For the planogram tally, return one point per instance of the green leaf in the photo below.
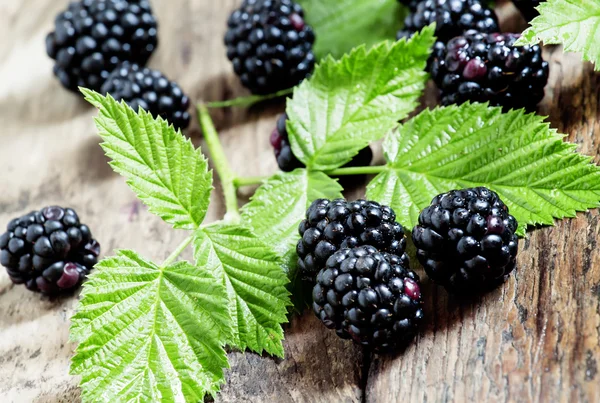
(536, 174)
(350, 102)
(160, 165)
(150, 333)
(255, 283)
(341, 25)
(573, 23)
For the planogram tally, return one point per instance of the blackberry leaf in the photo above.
(160, 165)
(573, 23)
(340, 25)
(517, 155)
(256, 285)
(150, 333)
(350, 102)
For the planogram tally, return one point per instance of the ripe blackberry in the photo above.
(527, 8)
(411, 4)
(150, 90)
(333, 225)
(270, 45)
(369, 296)
(466, 240)
(481, 67)
(92, 37)
(49, 250)
(452, 18)
(287, 161)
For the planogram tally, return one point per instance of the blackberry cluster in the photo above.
(92, 37)
(287, 161)
(270, 45)
(369, 296)
(333, 225)
(452, 18)
(141, 87)
(527, 8)
(481, 67)
(466, 240)
(49, 250)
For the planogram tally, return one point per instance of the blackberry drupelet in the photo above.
(150, 90)
(270, 45)
(92, 37)
(527, 8)
(332, 225)
(481, 67)
(452, 18)
(466, 240)
(369, 296)
(287, 161)
(49, 250)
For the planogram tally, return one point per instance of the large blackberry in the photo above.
(92, 37)
(150, 90)
(527, 8)
(270, 45)
(48, 250)
(452, 18)
(369, 296)
(466, 240)
(287, 161)
(332, 225)
(489, 68)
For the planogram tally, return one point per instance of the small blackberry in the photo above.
(527, 8)
(92, 37)
(150, 90)
(332, 225)
(369, 296)
(452, 18)
(466, 240)
(270, 45)
(480, 67)
(48, 250)
(287, 161)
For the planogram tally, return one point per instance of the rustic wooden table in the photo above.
(536, 339)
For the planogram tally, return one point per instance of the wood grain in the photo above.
(535, 339)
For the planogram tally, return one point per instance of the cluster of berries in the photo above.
(104, 45)
(472, 61)
(353, 253)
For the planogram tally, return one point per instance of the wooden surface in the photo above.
(536, 339)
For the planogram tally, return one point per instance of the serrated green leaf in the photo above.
(341, 25)
(255, 283)
(350, 102)
(150, 333)
(536, 174)
(160, 165)
(573, 23)
(277, 208)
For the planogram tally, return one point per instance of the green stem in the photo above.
(177, 251)
(221, 164)
(357, 170)
(250, 100)
(249, 180)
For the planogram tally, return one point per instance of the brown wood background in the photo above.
(535, 339)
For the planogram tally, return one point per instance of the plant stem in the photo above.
(221, 164)
(248, 101)
(177, 251)
(249, 180)
(357, 170)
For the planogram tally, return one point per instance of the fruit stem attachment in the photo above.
(177, 251)
(249, 180)
(221, 165)
(357, 170)
(248, 101)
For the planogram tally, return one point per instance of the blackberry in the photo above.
(92, 37)
(332, 225)
(482, 67)
(270, 45)
(287, 161)
(368, 296)
(452, 18)
(466, 240)
(528, 8)
(49, 250)
(141, 87)
(411, 4)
